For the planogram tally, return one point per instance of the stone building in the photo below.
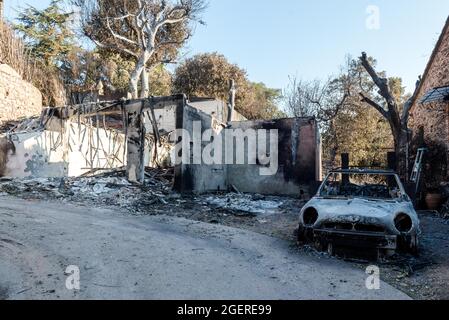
(429, 117)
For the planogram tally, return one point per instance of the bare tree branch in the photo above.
(381, 83)
(140, 28)
(315, 99)
(101, 45)
(408, 105)
(377, 106)
(167, 43)
(117, 36)
(398, 124)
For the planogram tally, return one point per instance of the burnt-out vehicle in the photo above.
(361, 209)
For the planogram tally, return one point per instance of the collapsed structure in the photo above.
(83, 139)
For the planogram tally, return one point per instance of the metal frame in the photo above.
(366, 171)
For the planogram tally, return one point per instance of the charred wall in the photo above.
(191, 176)
(299, 157)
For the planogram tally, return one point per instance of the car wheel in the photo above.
(302, 237)
(330, 249)
(409, 244)
(320, 246)
(414, 246)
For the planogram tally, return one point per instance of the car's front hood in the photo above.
(358, 206)
(361, 210)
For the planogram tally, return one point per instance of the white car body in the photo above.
(358, 221)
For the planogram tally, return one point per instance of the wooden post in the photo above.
(391, 159)
(392, 165)
(231, 104)
(345, 166)
(1, 10)
(135, 167)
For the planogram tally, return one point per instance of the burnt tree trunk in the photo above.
(398, 122)
(401, 143)
(135, 140)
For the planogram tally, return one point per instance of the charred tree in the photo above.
(397, 120)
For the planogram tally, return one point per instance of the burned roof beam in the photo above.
(115, 107)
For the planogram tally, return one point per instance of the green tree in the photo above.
(359, 131)
(83, 69)
(262, 102)
(208, 75)
(160, 81)
(46, 32)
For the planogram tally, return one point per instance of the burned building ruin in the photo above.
(82, 139)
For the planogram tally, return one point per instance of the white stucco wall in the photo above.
(37, 155)
(55, 154)
(89, 148)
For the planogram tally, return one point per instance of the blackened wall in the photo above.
(299, 159)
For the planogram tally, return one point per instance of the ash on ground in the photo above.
(269, 215)
(424, 277)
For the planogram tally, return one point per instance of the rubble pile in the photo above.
(269, 215)
(444, 211)
(109, 188)
(246, 203)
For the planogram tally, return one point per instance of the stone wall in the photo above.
(216, 108)
(18, 98)
(432, 119)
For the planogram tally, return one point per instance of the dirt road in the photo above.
(122, 256)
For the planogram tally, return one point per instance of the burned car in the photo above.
(361, 209)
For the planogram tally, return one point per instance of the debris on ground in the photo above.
(108, 188)
(422, 278)
(269, 215)
(444, 211)
(246, 203)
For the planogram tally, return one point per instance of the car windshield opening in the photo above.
(361, 185)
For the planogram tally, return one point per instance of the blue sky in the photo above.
(272, 40)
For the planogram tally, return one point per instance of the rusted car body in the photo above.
(361, 209)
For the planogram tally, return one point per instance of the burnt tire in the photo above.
(409, 244)
(414, 248)
(302, 236)
(305, 236)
